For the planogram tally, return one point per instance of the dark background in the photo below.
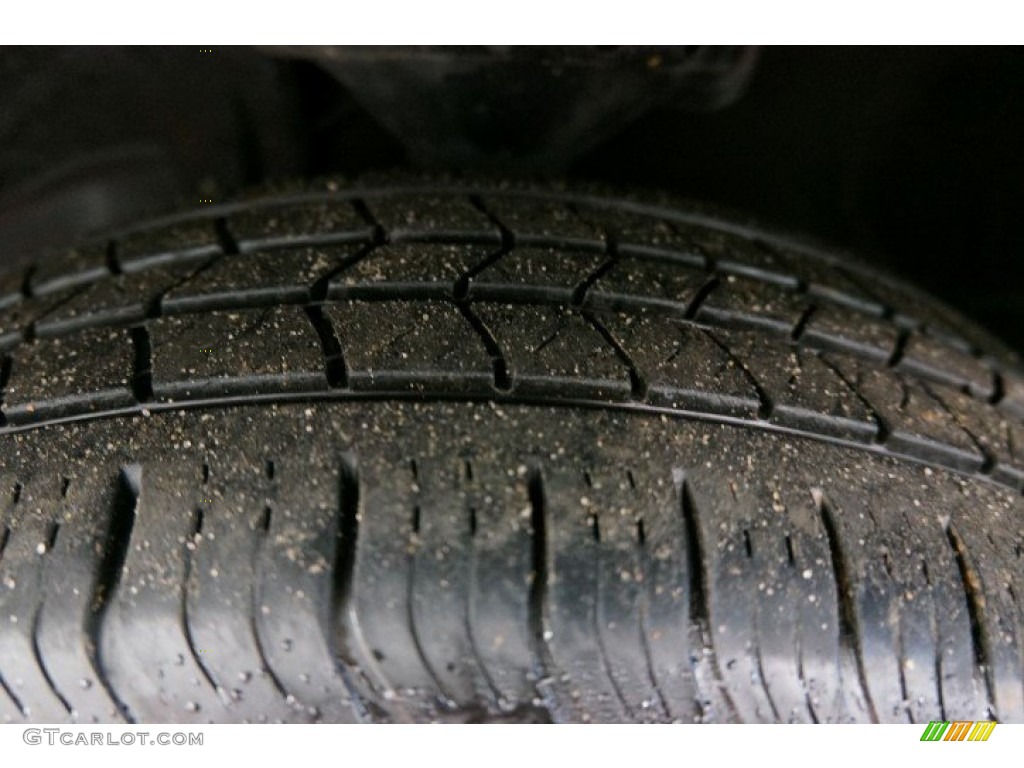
(913, 157)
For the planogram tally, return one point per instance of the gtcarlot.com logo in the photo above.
(959, 730)
(69, 738)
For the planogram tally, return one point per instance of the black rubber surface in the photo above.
(490, 454)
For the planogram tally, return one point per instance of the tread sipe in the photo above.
(421, 453)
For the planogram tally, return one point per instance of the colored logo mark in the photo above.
(958, 730)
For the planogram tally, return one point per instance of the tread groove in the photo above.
(801, 323)
(11, 695)
(469, 617)
(970, 582)
(112, 258)
(262, 531)
(6, 363)
(637, 384)
(643, 622)
(195, 535)
(502, 380)
(988, 458)
(37, 656)
(598, 626)
(697, 581)
(538, 594)
(899, 348)
(761, 678)
(846, 608)
(341, 625)
(883, 431)
(320, 287)
(335, 368)
(766, 405)
(410, 613)
(225, 237)
(142, 364)
(117, 542)
(705, 291)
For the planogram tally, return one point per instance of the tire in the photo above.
(417, 454)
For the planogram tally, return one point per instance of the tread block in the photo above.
(90, 370)
(81, 504)
(17, 316)
(418, 216)
(931, 359)
(549, 351)
(639, 233)
(442, 582)
(78, 267)
(501, 562)
(843, 330)
(184, 242)
(119, 300)
(668, 287)
(388, 649)
(804, 391)
(672, 641)
(11, 284)
(986, 543)
(741, 301)
(146, 645)
(416, 346)
(918, 424)
(910, 650)
(23, 570)
(682, 367)
(223, 597)
(535, 274)
(258, 277)
(731, 623)
(427, 268)
(289, 224)
(529, 219)
(274, 349)
(1001, 436)
(577, 637)
(296, 586)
